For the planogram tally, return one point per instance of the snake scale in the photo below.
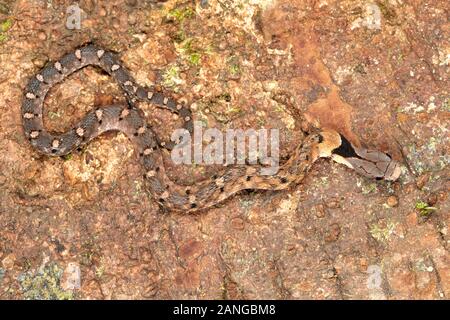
(130, 120)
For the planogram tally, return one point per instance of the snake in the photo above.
(129, 119)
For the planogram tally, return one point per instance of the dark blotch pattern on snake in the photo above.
(130, 120)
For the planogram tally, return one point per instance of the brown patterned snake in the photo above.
(130, 120)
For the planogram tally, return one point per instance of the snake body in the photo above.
(130, 120)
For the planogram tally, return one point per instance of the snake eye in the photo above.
(379, 178)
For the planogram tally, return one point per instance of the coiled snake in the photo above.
(130, 120)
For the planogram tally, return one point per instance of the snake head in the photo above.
(369, 163)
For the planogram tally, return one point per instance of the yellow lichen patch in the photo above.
(44, 284)
(4, 27)
(382, 233)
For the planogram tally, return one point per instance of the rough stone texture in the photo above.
(376, 71)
